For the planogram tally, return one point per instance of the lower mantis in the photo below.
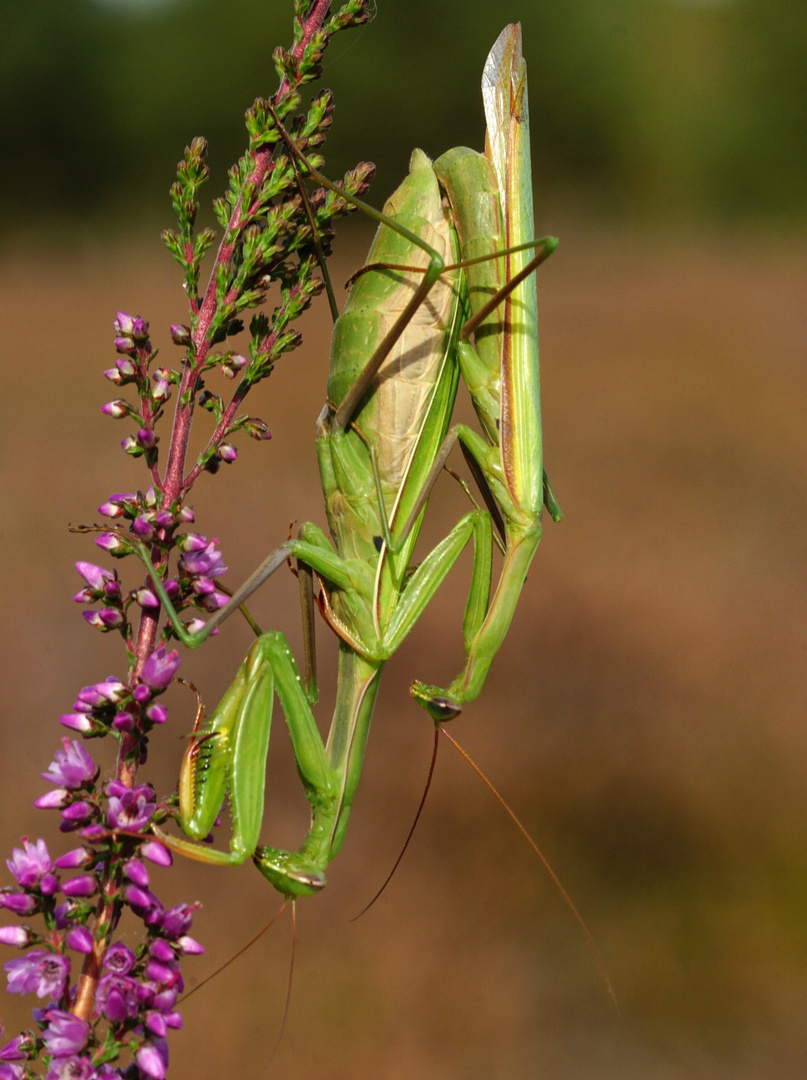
(382, 439)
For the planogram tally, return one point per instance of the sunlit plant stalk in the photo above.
(117, 1013)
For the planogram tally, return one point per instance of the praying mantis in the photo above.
(453, 256)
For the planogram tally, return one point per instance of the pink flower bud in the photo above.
(126, 369)
(190, 946)
(80, 939)
(117, 409)
(143, 528)
(53, 800)
(124, 323)
(180, 335)
(112, 543)
(74, 860)
(77, 722)
(17, 936)
(146, 598)
(82, 885)
(157, 853)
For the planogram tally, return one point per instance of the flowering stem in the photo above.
(123, 1001)
(172, 488)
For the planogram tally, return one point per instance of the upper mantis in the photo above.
(382, 440)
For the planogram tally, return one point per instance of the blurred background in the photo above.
(646, 715)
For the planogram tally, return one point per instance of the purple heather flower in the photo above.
(207, 561)
(116, 998)
(49, 885)
(19, 903)
(152, 1059)
(161, 950)
(11, 1072)
(124, 345)
(140, 329)
(19, 1049)
(72, 767)
(187, 515)
(228, 453)
(81, 885)
(213, 601)
(110, 691)
(40, 972)
(155, 1023)
(79, 939)
(73, 1067)
(66, 912)
(18, 936)
(160, 668)
(65, 1034)
(119, 959)
(152, 916)
(137, 897)
(157, 853)
(177, 920)
(30, 863)
(151, 996)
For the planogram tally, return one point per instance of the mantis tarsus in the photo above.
(382, 440)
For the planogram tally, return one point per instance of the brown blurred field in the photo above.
(646, 718)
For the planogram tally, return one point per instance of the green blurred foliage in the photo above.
(640, 108)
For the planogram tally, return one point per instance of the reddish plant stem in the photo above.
(262, 163)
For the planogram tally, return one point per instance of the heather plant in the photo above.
(105, 1007)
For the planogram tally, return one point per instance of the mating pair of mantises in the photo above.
(453, 257)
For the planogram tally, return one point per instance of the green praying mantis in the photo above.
(453, 257)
